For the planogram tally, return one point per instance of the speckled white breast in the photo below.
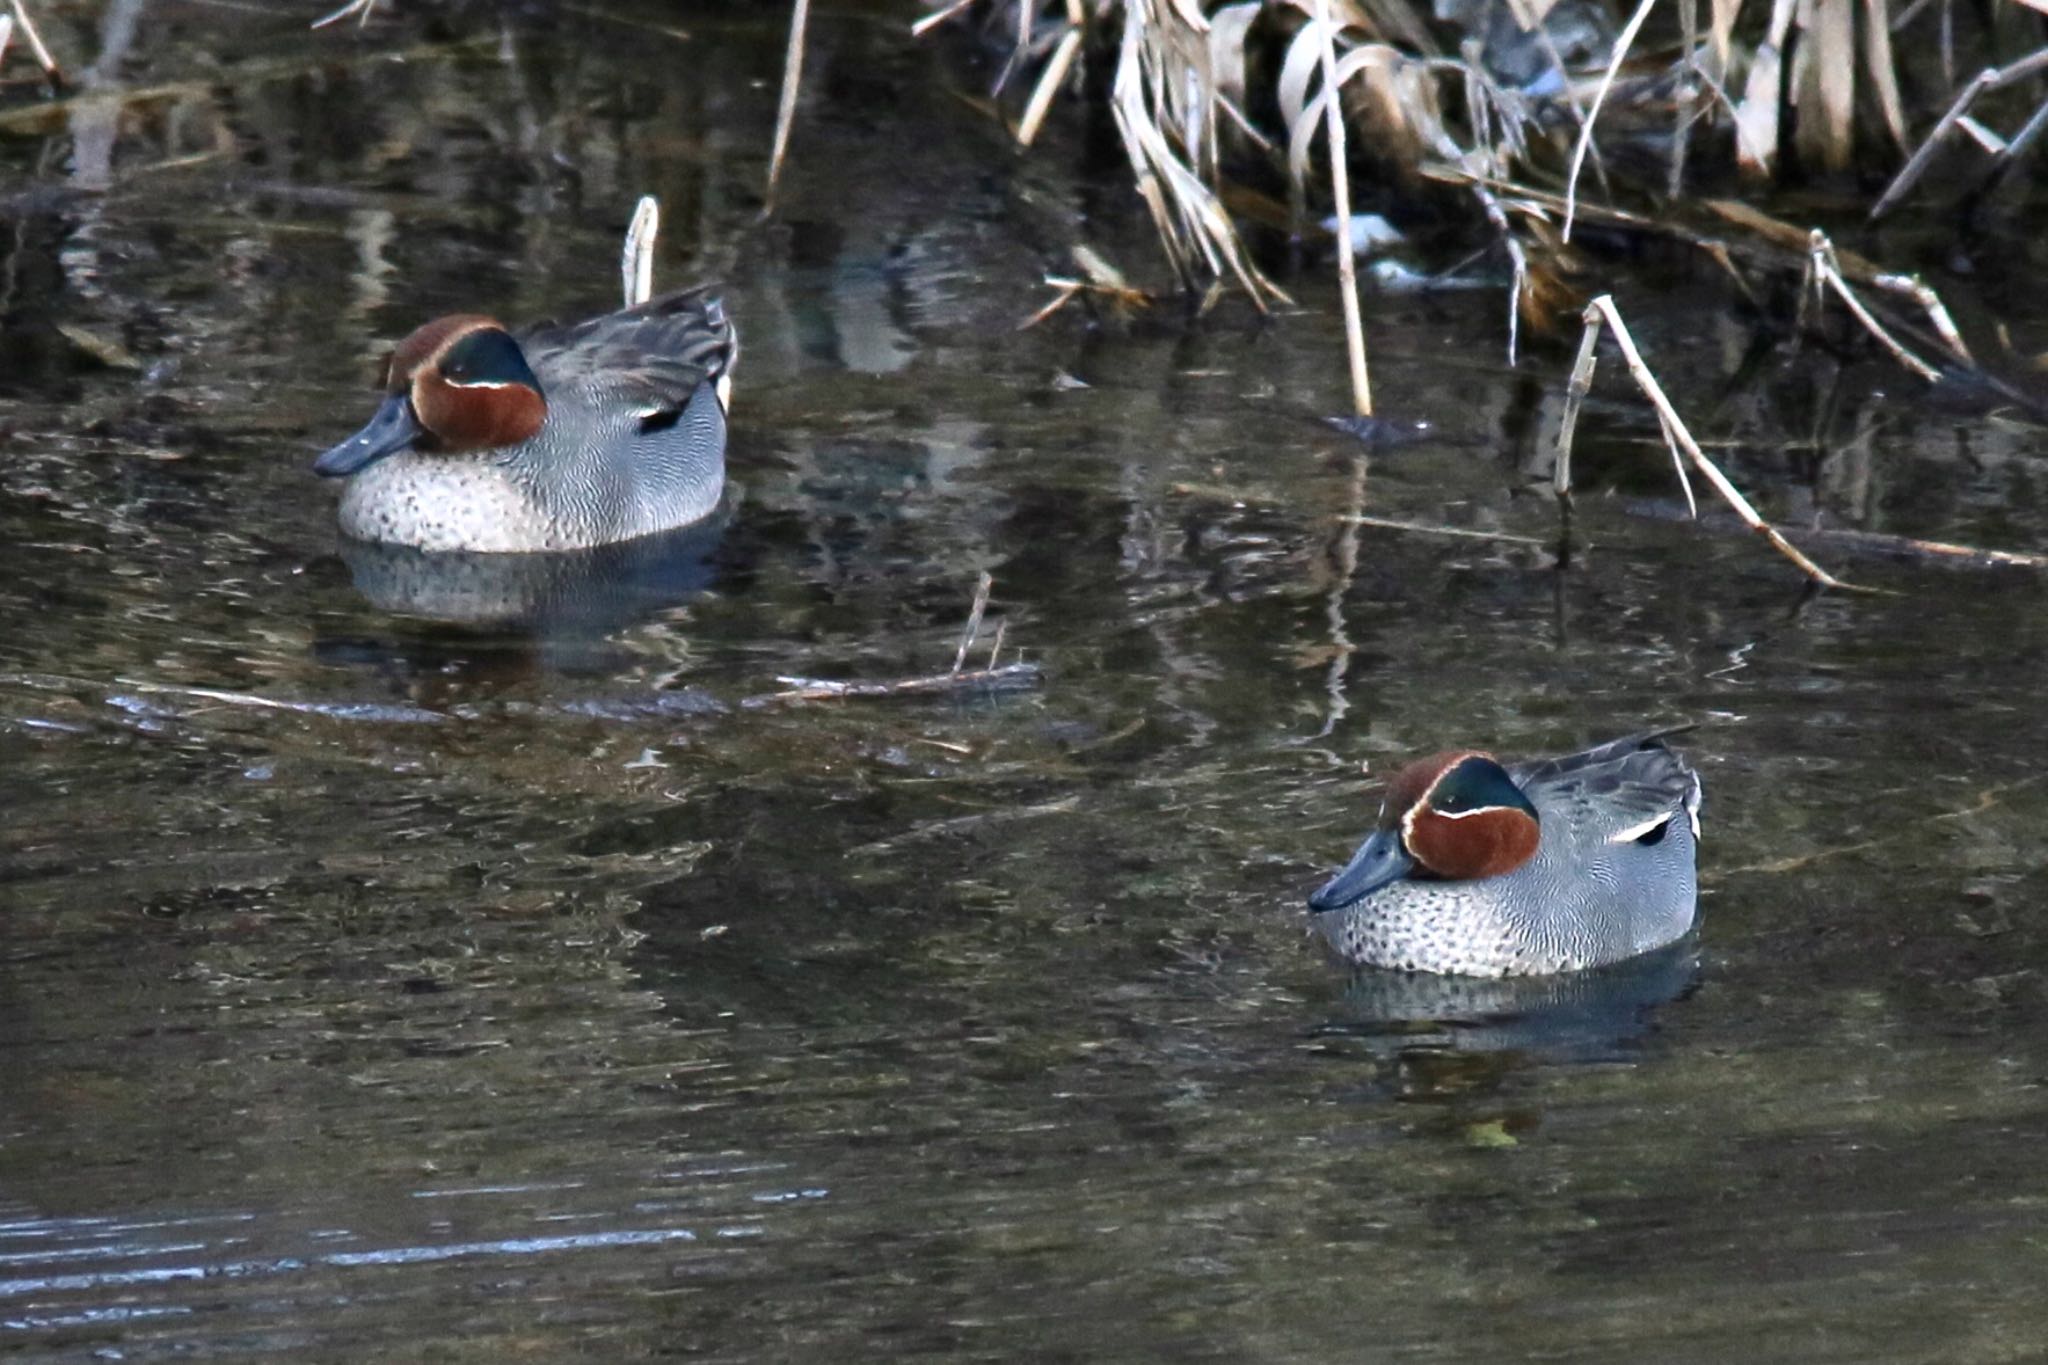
(1575, 905)
(445, 503)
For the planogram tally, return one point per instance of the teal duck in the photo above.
(556, 438)
(1479, 868)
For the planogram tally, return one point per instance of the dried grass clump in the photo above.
(1199, 98)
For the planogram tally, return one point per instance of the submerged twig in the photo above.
(1016, 677)
(1873, 544)
(785, 111)
(374, 711)
(1987, 799)
(959, 824)
(1424, 528)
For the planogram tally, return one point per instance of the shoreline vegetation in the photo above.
(1543, 118)
(1548, 139)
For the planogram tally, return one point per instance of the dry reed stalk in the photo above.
(1721, 34)
(636, 261)
(35, 43)
(1757, 113)
(1340, 190)
(360, 8)
(1601, 313)
(1824, 82)
(972, 629)
(1158, 87)
(1048, 85)
(1685, 108)
(1957, 117)
(1884, 71)
(937, 17)
(1102, 279)
(785, 110)
(1585, 139)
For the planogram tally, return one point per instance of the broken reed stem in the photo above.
(636, 262)
(1931, 304)
(1827, 271)
(1340, 190)
(1576, 389)
(785, 112)
(1601, 311)
(973, 627)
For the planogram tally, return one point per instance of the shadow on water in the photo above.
(407, 960)
(569, 605)
(1590, 1016)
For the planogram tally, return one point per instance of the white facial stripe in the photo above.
(482, 383)
(1408, 816)
(1467, 814)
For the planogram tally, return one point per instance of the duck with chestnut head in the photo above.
(557, 438)
(1480, 868)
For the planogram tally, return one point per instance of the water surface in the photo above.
(382, 986)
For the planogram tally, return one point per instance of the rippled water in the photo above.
(374, 986)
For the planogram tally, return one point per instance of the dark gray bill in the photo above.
(1379, 861)
(392, 429)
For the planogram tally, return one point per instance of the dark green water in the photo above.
(466, 1005)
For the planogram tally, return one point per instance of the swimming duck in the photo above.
(1483, 869)
(558, 438)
